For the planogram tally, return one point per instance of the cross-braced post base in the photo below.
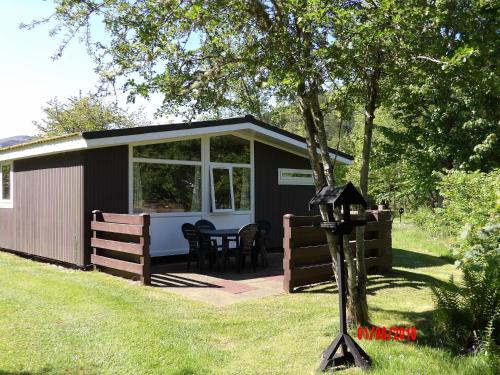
(351, 354)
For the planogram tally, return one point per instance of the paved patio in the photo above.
(221, 288)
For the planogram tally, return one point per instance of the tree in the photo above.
(446, 103)
(79, 114)
(210, 56)
(373, 39)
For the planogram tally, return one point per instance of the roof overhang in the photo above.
(90, 140)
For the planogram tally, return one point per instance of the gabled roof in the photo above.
(337, 196)
(94, 139)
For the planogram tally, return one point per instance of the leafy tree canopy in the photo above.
(80, 114)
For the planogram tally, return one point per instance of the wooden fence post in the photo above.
(145, 258)
(287, 248)
(96, 216)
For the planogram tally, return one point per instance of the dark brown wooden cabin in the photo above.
(230, 171)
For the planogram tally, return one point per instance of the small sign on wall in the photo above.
(287, 176)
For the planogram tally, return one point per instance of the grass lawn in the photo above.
(55, 320)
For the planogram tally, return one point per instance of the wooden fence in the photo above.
(307, 259)
(120, 244)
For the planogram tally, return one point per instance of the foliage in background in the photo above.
(447, 103)
(468, 198)
(88, 113)
(469, 201)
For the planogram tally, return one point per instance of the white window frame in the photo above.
(283, 180)
(206, 201)
(163, 161)
(7, 203)
(212, 190)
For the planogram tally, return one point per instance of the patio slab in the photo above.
(218, 288)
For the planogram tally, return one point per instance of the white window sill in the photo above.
(170, 214)
(219, 213)
(6, 204)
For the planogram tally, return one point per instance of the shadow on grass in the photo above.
(391, 279)
(410, 259)
(43, 371)
(422, 321)
(396, 278)
(401, 279)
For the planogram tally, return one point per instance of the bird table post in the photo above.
(342, 196)
(401, 211)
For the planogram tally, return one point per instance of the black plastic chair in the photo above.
(197, 246)
(246, 238)
(264, 228)
(205, 224)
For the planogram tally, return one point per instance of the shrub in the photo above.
(469, 202)
(467, 316)
(482, 246)
(469, 199)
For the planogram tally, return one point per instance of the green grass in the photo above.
(55, 320)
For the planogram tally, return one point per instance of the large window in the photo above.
(180, 150)
(6, 181)
(167, 177)
(229, 149)
(230, 174)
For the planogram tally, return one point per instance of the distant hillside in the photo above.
(11, 141)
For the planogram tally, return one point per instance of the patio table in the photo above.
(225, 234)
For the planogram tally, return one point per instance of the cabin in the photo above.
(232, 172)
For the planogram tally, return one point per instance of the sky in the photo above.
(29, 77)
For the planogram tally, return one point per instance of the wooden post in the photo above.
(96, 216)
(145, 258)
(287, 249)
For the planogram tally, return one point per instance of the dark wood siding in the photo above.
(47, 217)
(272, 201)
(106, 184)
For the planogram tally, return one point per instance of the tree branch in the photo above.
(427, 58)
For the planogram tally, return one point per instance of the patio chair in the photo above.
(205, 224)
(246, 239)
(197, 246)
(264, 228)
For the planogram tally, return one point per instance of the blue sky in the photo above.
(29, 77)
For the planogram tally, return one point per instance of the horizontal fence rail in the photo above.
(120, 244)
(307, 259)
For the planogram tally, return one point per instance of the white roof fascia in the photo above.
(78, 142)
(51, 147)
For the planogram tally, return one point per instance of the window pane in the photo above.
(241, 189)
(181, 150)
(229, 149)
(6, 182)
(222, 189)
(167, 188)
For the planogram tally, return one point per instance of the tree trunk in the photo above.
(319, 174)
(354, 303)
(370, 107)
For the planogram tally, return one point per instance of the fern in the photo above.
(468, 315)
